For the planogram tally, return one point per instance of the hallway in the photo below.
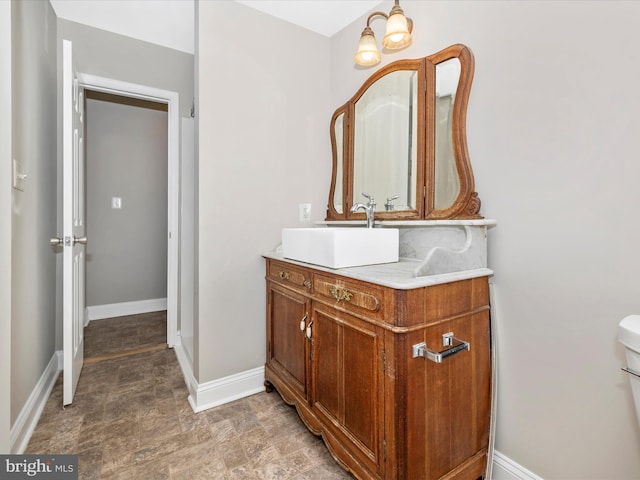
(131, 420)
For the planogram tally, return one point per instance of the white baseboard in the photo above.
(186, 366)
(227, 389)
(221, 391)
(98, 312)
(27, 420)
(506, 469)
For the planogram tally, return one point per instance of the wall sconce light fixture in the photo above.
(398, 36)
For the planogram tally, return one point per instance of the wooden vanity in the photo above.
(342, 350)
(391, 363)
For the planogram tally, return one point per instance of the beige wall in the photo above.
(552, 130)
(106, 54)
(263, 123)
(34, 143)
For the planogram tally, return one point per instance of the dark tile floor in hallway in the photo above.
(131, 420)
(105, 339)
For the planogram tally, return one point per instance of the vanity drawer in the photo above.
(290, 275)
(353, 296)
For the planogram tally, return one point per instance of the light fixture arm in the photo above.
(376, 14)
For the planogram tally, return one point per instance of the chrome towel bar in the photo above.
(421, 350)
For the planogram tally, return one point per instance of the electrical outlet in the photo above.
(116, 202)
(305, 212)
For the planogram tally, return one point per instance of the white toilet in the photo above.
(629, 336)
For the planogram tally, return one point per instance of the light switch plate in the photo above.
(18, 175)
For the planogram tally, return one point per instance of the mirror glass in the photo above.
(446, 181)
(384, 145)
(338, 131)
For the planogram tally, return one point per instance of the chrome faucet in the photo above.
(389, 206)
(369, 209)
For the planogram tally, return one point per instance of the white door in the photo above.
(73, 239)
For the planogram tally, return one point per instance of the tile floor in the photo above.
(131, 420)
(104, 338)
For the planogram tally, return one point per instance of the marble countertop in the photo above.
(410, 223)
(398, 275)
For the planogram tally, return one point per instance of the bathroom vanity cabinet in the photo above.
(349, 354)
(391, 363)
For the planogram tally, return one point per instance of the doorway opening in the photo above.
(126, 219)
(129, 94)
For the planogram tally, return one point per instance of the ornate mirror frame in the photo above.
(467, 203)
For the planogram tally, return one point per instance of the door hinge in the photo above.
(384, 450)
(384, 361)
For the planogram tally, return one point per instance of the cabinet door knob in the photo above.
(302, 322)
(308, 332)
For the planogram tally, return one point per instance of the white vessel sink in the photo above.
(339, 247)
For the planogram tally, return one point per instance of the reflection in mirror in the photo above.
(338, 129)
(384, 151)
(446, 182)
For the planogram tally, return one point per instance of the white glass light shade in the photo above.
(398, 35)
(368, 53)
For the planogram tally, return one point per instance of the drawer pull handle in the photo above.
(341, 294)
(284, 275)
(421, 350)
(302, 322)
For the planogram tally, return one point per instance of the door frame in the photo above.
(5, 226)
(172, 100)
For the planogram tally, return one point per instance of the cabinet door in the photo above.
(286, 342)
(348, 388)
(448, 406)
